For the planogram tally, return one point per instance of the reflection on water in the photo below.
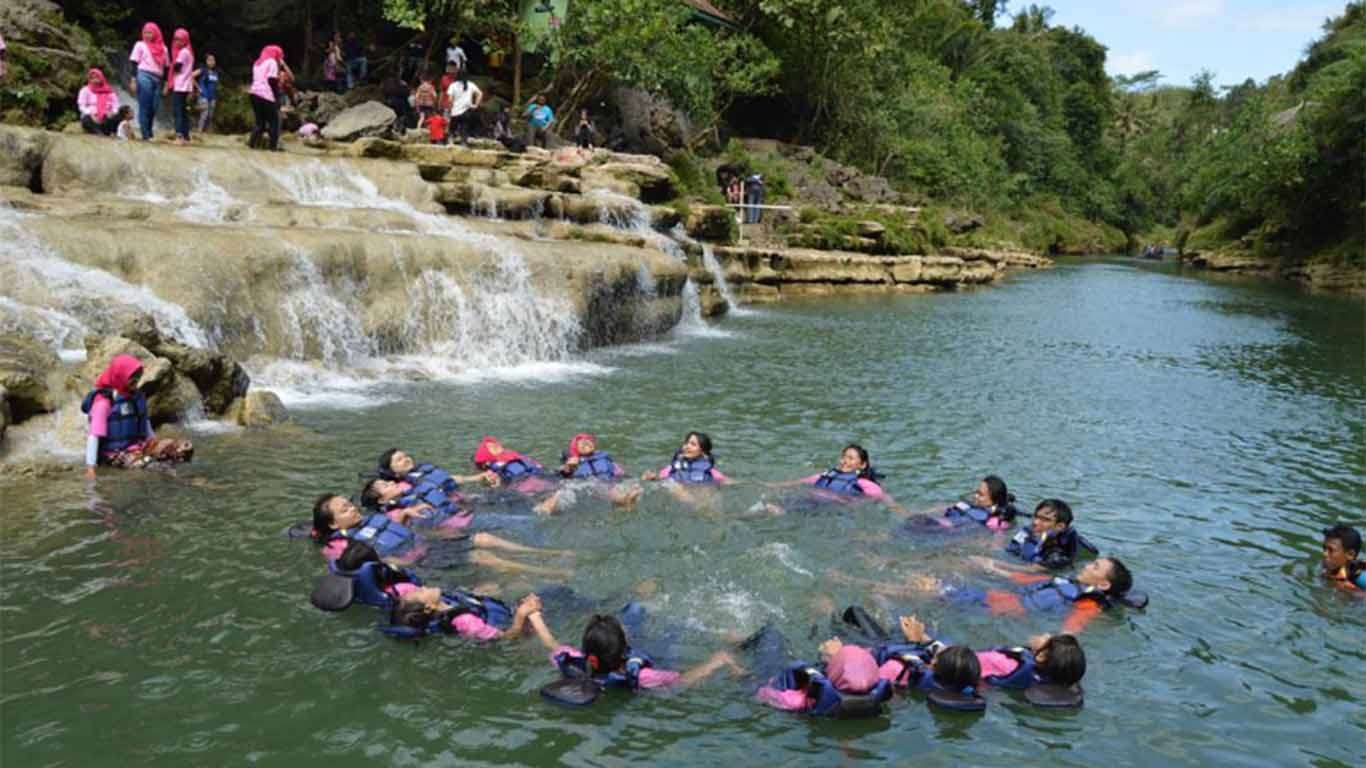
(1204, 432)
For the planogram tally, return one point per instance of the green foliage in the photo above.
(692, 179)
(830, 231)
(776, 184)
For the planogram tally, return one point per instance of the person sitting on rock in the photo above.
(120, 432)
(98, 104)
(539, 119)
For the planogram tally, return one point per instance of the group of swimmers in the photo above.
(411, 511)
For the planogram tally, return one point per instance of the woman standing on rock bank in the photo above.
(265, 90)
(152, 60)
(120, 432)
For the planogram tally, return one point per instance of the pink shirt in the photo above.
(469, 626)
(788, 701)
(261, 75)
(992, 662)
(87, 101)
(181, 80)
(870, 489)
(99, 412)
(649, 677)
(142, 56)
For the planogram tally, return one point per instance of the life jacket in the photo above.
(571, 665)
(963, 513)
(422, 493)
(373, 583)
(1061, 591)
(1025, 674)
(1356, 574)
(516, 469)
(691, 471)
(835, 481)
(384, 535)
(1053, 551)
(914, 658)
(598, 464)
(490, 610)
(828, 701)
(127, 418)
(432, 475)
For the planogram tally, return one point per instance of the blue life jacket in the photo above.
(629, 678)
(431, 474)
(442, 510)
(387, 537)
(516, 469)
(835, 481)
(691, 471)
(1060, 591)
(599, 464)
(963, 513)
(1024, 675)
(422, 493)
(127, 418)
(829, 701)
(1053, 551)
(371, 582)
(491, 610)
(1356, 574)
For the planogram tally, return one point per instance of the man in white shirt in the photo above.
(464, 98)
(456, 55)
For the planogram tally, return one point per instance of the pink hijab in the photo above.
(104, 95)
(483, 456)
(853, 670)
(115, 376)
(158, 44)
(574, 443)
(271, 52)
(181, 39)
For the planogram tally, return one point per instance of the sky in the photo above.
(1235, 39)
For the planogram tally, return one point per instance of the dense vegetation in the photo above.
(956, 102)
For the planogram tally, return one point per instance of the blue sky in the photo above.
(1236, 39)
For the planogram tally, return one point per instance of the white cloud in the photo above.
(1304, 20)
(1187, 13)
(1129, 63)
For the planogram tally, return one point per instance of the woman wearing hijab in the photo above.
(181, 83)
(98, 104)
(152, 63)
(265, 95)
(120, 432)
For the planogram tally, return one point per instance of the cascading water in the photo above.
(719, 278)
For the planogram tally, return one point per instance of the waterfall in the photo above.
(320, 324)
(719, 280)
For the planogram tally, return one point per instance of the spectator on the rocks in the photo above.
(584, 131)
(126, 129)
(436, 128)
(395, 94)
(539, 119)
(446, 79)
(332, 64)
(181, 83)
(265, 95)
(309, 134)
(465, 98)
(150, 55)
(98, 105)
(414, 59)
(455, 54)
(754, 197)
(206, 80)
(357, 66)
(735, 191)
(502, 131)
(425, 99)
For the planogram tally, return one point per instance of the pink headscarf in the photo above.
(115, 376)
(483, 456)
(180, 39)
(158, 44)
(104, 95)
(853, 670)
(271, 52)
(574, 442)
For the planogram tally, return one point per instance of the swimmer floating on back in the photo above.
(584, 461)
(509, 469)
(852, 479)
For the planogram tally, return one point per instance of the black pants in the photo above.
(466, 125)
(105, 127)
(267, 120)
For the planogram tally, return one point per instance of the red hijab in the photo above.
(483, 456)
(158, 44)
(181, 39)
(574, 443)
(271, 52)
(104, 95)
(115, 376)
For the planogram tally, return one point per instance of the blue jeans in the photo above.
(149, 101)
(180, 107)
(359, 64)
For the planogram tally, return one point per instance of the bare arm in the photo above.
(709, 667)
(543, 633)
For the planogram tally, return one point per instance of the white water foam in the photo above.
(719, 280)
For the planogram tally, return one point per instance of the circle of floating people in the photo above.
(409, 511)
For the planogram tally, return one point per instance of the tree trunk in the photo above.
(308, 40)
(516, 74)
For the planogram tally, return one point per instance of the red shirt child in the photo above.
(436, 129)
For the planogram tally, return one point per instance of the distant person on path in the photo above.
(436, 128)
(357, 66)
(265, 90)
(126, 129)
(502, 131)
(445, 85)
(181, 83)
(754, 196)
(206, 79)
(414, 59)
(425, 99)
(584, 132)
(465, 98)
(332, 65)
(149, 54)
(456, 55)
(539, 119)
(395, 94)
(98, 105)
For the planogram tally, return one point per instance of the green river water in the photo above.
(1203, 431)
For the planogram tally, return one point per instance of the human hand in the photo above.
(572, 461)
(913, 629)
(491, 478)
(831, 647)
(1038, 641)
(923, 583)
(649, 475)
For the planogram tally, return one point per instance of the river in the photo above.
(1203, 431)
